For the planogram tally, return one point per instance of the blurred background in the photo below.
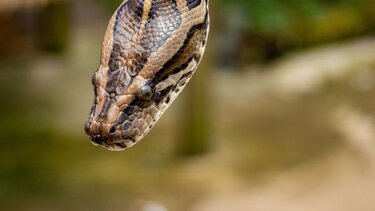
(280, 115)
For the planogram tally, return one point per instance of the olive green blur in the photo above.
(279, 116)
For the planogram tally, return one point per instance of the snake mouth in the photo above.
(111, 143)
(108, 136)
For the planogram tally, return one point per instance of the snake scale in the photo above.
(150, 51)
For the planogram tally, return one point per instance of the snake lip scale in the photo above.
(150, 51)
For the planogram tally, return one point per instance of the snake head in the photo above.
(150, 51)
(121, 115)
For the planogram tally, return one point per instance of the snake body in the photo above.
(150, 51)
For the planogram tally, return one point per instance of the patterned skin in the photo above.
(150, 51)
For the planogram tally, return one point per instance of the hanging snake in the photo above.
(150, 51)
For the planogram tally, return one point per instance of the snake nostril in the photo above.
(112, 130)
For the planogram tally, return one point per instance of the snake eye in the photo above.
(146, 93)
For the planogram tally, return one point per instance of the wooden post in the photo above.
(55, 27)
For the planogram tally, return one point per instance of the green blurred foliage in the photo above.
(272, 27)
(275, 16)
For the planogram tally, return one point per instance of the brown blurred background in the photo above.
(279, 117)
